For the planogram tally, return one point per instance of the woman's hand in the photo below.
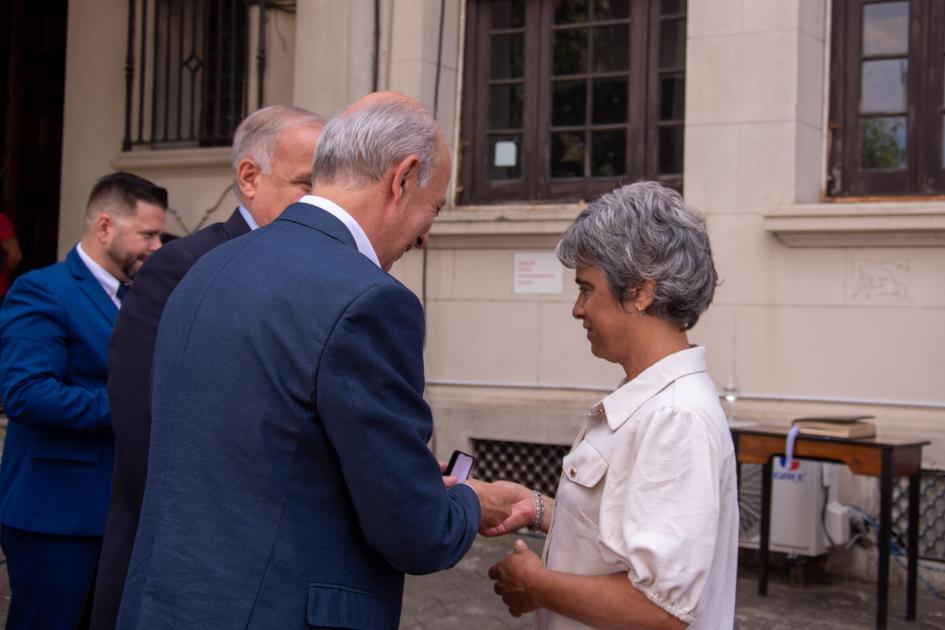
(512, 576)
(523, 510)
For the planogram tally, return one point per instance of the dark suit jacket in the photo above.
(59, 450)
(290, 483)
(129, 391)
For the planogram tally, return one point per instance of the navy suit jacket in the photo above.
(129, 393)
(290, 484)
(57, 459)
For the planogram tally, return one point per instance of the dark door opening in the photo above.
(32, 91)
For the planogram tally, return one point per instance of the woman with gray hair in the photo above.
(643, 532)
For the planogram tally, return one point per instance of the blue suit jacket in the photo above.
(57, 459)
(129, 393)
(290, 484)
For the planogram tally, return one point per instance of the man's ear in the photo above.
(104, 227)
(247, 175)
(404, 171)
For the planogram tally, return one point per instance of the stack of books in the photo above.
(837, 426)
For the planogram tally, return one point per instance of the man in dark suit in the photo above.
(290, 482)
(57, 459)
(273, 150)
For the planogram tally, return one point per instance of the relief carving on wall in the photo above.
(204, 218)
(871, 279)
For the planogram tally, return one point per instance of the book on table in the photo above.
(837, 426)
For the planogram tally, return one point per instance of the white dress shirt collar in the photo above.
(250, 221)
(360, 238)
(109, 282)
(622, 403)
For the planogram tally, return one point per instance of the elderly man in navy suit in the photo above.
(59, 450)
(290, 484)
(273, 149)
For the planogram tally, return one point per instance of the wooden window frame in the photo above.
(536, 183)
(924, 174)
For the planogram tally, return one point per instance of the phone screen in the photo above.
(460, 465)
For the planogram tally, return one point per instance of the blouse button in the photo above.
(572, 471)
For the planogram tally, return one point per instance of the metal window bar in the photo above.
(931, 514)
(193, 90)
(537, 466)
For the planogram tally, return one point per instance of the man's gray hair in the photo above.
(645, 231)
(359, 146)
(257, 136)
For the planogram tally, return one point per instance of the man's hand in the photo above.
(495, 502)
(512, 577)
(522, 510)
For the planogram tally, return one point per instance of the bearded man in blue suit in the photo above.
(59, 450)
(290, 484)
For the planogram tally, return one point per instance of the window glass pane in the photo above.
(886, 28)
(505, 105)
(883, 86)
(673, 44)
(883, 143)
(507, 13)
(505, 160)
(568, 103)
(570, 51)
(671, 150)
(672, 98)
(610, 101)
(567, 154)
(611, 48)
(608, 153)
(570, 11)
(673, 7)
(611, 9)
(507, 60)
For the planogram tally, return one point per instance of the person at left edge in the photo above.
(57, 458)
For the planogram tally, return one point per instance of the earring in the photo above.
(641, 311)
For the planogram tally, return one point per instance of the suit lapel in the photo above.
(90, 286)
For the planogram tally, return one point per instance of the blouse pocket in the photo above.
(584, 465)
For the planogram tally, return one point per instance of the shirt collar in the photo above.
(250, 221)
(360, 238)
(629, 397)
(108, 281)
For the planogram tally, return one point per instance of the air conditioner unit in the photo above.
(803, 499)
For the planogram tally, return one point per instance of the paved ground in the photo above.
(462, 598)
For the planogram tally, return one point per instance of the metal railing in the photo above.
(187, 70)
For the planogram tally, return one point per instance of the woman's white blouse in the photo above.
(650, 489)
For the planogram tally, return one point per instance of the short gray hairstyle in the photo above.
(644, 231)
(257, 136)
(360, 145)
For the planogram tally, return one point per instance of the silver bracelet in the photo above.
(539, 512)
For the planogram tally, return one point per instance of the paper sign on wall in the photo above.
(506, 153)
(537, 272)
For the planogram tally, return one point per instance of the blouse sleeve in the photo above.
(660, 509)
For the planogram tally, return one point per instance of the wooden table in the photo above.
(885, 457)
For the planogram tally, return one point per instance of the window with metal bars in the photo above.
(186, 72)
(567, 98)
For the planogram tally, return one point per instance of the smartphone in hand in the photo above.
(460, 466)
